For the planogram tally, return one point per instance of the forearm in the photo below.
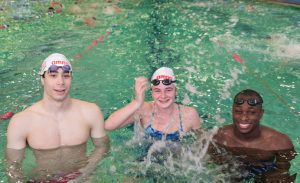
(283, 158)
(281, 172)
(101, 149)
(102, 146)
(123, 116)
(14, 160)
(216, 155)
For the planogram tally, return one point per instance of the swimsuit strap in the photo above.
(180, 118)
(152, 115)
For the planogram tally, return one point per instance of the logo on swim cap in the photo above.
(54, 59)
(163, 73)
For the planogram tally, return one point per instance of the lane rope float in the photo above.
(238, 59)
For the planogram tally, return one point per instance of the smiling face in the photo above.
(57, 84)
(164, 95)
(246, 117)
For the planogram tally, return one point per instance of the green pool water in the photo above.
(196, 38)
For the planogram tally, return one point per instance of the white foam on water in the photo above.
(191, 89)
(282, 46)
(200, 4)
(186, 161)
(192, 70)
(224, 92)
(233, 20)
(186, 99)
(139, 134)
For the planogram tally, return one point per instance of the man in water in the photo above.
(56, 128)
(261, 152)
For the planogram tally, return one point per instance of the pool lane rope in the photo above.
(6, 115)
(56, 6)
(9, 114)
(95, 42)
(238, 59)
(4, 26)
(100, 39)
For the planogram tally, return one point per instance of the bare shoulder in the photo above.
(91, 112)
(17, 130)
(86, 107)
(147, 106)
(19, 119)
(24, 118)
(20, 125)
(190, 117)
(188, 109)
(224, 135)
(146, 109)
(189, 112)
(276, 139)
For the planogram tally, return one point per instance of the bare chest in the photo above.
(50, 133)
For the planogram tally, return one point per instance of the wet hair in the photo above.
(250, 93)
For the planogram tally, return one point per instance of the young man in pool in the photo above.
(263, 153)
(56, 128)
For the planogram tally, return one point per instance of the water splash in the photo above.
(282, 46)
(224, 92)
(185, 161)
(190, 88)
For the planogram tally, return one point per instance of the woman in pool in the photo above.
(162, 118)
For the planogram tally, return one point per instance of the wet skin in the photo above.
(251, 143)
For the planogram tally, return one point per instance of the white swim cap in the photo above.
(163, 73)
(54, 59)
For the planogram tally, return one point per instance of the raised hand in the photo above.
(141, 85)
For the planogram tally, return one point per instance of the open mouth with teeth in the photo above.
(60, 91)
(244, 125)
(163, 101)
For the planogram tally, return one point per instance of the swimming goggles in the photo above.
(156, 82)
(251, 101)
(65, 68)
